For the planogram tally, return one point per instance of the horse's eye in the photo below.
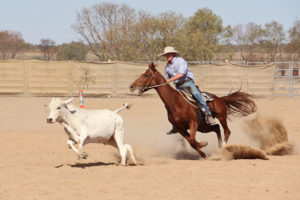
(146, 75)
(58, 108)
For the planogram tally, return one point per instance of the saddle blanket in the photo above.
(189, 96)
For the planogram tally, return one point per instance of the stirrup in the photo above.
(210, 120)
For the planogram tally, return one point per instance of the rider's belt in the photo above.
(182, 82)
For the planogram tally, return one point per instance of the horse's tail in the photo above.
(239, 104)
(125, 105)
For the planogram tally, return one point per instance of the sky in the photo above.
(52, 19)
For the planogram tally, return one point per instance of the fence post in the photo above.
(26, 74)
(114, 70)
(289, 78)
(292, 78)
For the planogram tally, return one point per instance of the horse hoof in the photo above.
(203, 155)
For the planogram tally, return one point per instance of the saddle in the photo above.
(188, 95)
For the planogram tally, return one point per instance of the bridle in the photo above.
(154, 86)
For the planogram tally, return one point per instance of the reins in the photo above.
(155, 86)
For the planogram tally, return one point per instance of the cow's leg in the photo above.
(73, 138)
(119, 138)
(82, 141)
(70, 144)
(129, 149)
(72, 132)
(79, 138)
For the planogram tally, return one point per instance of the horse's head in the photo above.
(145, 80)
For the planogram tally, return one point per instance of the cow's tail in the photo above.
(125, 105)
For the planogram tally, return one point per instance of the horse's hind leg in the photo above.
(227, 132)
(216, 129)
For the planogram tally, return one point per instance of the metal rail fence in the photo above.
(287, 79)
(286, 74)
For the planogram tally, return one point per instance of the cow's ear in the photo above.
(66, 102)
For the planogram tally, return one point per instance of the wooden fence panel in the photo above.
(55, 78)
(12, 77)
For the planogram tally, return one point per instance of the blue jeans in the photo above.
(196, 93)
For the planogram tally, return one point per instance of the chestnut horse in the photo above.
(184, 115)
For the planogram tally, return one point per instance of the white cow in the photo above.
(90, 126)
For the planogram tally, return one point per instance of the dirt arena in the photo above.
(36, 163)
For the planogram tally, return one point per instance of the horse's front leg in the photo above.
(193, 131)
(191, 138)
(172, 121)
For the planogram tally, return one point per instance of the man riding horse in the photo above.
(177, 70)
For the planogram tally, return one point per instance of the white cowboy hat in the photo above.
(167, 50)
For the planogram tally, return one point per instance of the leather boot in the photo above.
(172, 131)
(209, 119)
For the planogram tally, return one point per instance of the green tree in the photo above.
(48, 48)
(152, 33)
(105, 27)
(247, 38)
(72, 51)
(118, 32)
(293, 47)
(10, 44)
(274, 37)
(203, 33)
(226, 49)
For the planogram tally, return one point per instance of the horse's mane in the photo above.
(180, 93)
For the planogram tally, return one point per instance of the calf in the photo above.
(90, 126)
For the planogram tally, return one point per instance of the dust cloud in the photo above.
(261, 134)
(270, 133)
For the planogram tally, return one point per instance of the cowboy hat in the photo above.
(167, 50)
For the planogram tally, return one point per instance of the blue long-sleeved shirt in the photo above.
(179, 65)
